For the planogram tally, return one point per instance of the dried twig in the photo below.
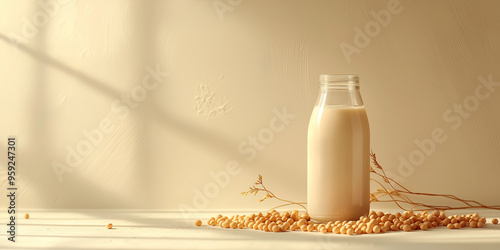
(260, 187)
(398, 194)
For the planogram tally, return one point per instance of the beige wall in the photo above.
(224, 76)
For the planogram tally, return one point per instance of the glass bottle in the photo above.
(338, 152)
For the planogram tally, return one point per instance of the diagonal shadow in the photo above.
(50, 61)
(144, 17)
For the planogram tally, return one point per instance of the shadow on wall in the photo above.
(144, 32)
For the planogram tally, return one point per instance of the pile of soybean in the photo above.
(375, 222)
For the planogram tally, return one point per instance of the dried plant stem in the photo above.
(397, 190)
(261, 188)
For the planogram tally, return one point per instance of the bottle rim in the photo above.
(339, 79)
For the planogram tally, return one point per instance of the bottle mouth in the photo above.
(339, 79)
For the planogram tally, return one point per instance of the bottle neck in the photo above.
(339, 90)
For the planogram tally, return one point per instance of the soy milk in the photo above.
(338, 160)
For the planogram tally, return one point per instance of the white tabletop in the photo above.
(133, 229)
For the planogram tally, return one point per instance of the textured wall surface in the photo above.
(182, 103)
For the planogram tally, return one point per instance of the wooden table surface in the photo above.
(134, 229)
